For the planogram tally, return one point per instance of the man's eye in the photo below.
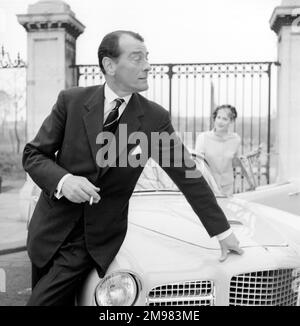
(137, 58)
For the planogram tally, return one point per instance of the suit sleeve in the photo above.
(39, 159)
(176, 161)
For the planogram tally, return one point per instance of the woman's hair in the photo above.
(232, 109)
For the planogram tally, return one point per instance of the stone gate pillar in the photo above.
(51, 46)
(285, 22)
(52, 30)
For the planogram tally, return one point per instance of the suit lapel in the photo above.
(93, 119)
(130, 118)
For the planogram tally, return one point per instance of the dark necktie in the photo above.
(111, 122)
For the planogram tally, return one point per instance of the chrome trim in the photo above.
(263, 288)
(188, 293)
(235, 222)
(296, 193)
(186, 298)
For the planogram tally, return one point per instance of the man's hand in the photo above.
(228, 244)
(79, 190)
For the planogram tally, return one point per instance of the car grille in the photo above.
(191, 293)
(264, 288)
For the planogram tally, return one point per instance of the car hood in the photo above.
(170, 215)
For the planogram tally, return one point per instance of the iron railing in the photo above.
(191, 91)
(7, 62)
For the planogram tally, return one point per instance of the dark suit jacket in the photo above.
(66, 143)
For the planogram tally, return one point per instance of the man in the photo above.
(80, 220)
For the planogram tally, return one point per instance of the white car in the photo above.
(168, 259)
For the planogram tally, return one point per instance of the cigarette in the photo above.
(91, 200)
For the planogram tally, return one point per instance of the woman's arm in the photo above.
(236, 158)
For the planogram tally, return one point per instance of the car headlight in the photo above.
(117, 289)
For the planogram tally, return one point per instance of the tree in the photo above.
(5, 104)
(13, 105)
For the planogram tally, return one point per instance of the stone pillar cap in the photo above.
(290, 3)
(51, 7)
(285, 14)
(51, 14)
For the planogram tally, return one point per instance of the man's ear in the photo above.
(109, 66)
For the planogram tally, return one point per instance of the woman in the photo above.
(220, 147)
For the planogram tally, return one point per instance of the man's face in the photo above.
(130, 70)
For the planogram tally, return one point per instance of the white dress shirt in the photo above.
(109, 101)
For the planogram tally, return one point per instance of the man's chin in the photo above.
(143, 88)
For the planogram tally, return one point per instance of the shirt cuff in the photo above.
(58, 193)
(224, 234)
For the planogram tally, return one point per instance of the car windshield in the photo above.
(154, 178)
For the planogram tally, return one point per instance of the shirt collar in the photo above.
(110, 95)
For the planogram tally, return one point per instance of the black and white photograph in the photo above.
(149, 155)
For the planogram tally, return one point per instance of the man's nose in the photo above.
(147, 66)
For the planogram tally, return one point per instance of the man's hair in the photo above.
(109, 46)
(232, 109)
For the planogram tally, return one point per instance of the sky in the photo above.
(175, 31)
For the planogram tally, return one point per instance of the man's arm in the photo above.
(182, 170)
(58, 192)
(39, 154)
(39, 161)
(177, 163)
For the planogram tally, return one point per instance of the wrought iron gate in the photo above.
(190, 91)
